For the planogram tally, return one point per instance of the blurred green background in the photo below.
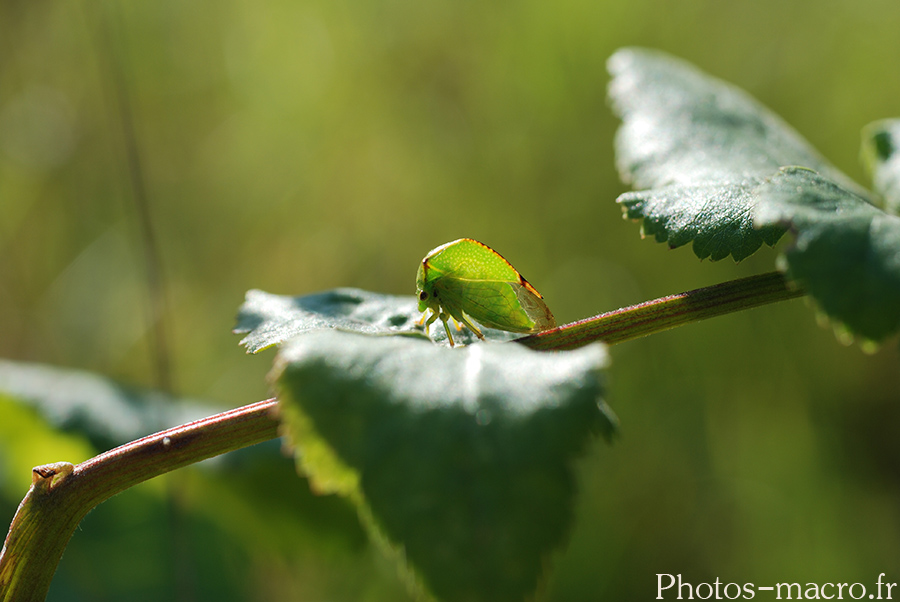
(296, 146)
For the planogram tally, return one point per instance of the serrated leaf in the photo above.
(700, 147)
(107, 412)
(270, 320)
(461, 458)
(846, 252)
(881, 155)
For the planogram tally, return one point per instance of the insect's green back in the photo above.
(469, 259)
(467, 279)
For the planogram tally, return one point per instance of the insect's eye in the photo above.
(423, 295)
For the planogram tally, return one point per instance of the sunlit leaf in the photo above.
(700, 148)
(846, 252)
(725, 173)
(269, 319)
(461, 458)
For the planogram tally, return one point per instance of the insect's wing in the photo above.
(497, 304)
(492, 303)
(533, 304)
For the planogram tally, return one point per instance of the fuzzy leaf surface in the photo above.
(460, 458)
(699, 148)
(846, 252)
(270, 320)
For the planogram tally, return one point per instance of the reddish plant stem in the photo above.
(667, 312)
(62, 494)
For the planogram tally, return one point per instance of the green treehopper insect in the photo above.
(467, 280)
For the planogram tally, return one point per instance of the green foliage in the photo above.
(305, 146)
(28, 439)
(715, 163)
(846, 252)
(461, 458)
(269, 319)
(107, 412)
(701, 147)
(221, 524)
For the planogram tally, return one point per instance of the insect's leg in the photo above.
(458, 325)
(431, 319)
(468, 322)
(461, 319)
(447, 328)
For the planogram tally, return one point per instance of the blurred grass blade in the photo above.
(461, 458)
(881, 156)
